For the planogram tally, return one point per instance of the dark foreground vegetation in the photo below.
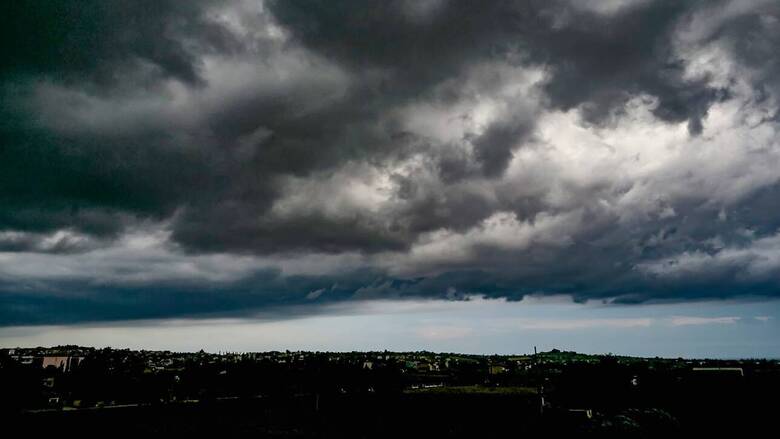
(381, 394)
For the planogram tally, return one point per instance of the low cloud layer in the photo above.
(160, 159)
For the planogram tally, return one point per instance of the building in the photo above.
(497, 369)
(65, 364)
(721, 370)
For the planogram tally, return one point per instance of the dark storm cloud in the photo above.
(246, 129)
(597, 61)
(181, 299)
(49, 182)
(595, 56)
(85, 180)
(298, 234)
(106, 42)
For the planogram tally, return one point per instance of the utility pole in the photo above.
(540, 388)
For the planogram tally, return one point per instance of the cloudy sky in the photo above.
(442, 174)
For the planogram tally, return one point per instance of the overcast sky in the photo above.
(285, 167)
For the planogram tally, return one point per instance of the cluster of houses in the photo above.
(64, 360)
(68, 358)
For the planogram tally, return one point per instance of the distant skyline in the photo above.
(356, 173)
(743, 329)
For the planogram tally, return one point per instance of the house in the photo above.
(723, 371)
(65, 364)
(497, 369)
(424, 367)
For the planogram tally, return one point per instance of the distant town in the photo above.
(567, 385)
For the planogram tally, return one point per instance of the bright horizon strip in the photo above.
(477, 326)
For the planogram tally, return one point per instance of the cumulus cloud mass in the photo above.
(190, 159)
